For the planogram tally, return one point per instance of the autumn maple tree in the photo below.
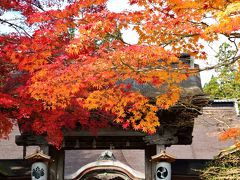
(67, 63)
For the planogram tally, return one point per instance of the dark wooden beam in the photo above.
(30, 140)
(87, 142)
(113, 131)
(149, 166)
(56, 165)
(103, 142)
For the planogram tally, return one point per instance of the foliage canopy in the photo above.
(66, 63)
(224, 166)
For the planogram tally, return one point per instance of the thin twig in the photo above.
(230, 62)
(15, 26)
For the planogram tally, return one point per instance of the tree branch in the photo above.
(36, 3)
(231, 61)
(15, 26)
(164, 44)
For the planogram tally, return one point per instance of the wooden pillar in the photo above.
(45, 149)
(56, 166)
(24, 151)
(149, 166)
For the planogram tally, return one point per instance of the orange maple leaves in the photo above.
(231, 133)
(130, 109)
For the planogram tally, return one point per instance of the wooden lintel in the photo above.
(105, 132)
(90, 142)
(102, 142)
(28, 140)
(161, 140)
(107, 145)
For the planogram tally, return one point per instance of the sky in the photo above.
(131, 36)
(8, 16)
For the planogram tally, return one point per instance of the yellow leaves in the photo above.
(170, 98)
(226, 25)
(218, 4)
(172, 59)
(144, 117)
(60, 27)
(95, 100)
(108, 99)
(74, 48)
(130, 109)
(231, 10)
(227, 15)
(187, 4)
(177, 77)
(150, 123)
(55, 87)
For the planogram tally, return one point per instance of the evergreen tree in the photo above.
(226, 84)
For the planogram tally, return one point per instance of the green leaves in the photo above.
(226, 84)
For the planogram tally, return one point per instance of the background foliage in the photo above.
(224, 166)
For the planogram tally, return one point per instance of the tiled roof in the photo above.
(207, 127)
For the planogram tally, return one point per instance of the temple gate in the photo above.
(176, 129)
